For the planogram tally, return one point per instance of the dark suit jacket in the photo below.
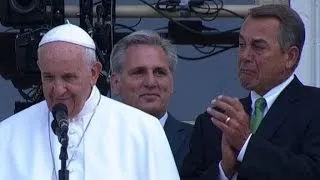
(286, 145)
(178, 134)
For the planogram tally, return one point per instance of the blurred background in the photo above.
(205, 32)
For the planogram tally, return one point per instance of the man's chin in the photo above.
(247, 84)
(151, 109)
(149, 98)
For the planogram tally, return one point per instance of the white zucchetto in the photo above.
(68, 33)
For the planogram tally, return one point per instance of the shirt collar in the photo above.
(163, 119)
(271, 95)
(91, 102)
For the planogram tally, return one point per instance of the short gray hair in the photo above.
(291, 29)
(89, 55)
(142, 37)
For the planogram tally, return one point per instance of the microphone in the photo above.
(60, 127)
(55, 128)
(60, 114)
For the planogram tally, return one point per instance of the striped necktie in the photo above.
(257, 115)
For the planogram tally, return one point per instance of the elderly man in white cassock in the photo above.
(107, 139)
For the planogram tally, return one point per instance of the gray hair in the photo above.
(89, 55)
(291, 28)
(141, 37)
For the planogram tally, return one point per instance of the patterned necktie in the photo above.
(257, 115)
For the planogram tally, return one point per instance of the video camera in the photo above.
(31, 19)
(31, 13)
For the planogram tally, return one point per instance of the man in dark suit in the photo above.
(178, 134)
(281, 139)
(142, 66)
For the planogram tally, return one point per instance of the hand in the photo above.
(237, 129)
(229, 158)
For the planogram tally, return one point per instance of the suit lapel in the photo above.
(280, 110)
(246, 102)
(175, 133)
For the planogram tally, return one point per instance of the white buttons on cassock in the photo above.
(75, 155)
(71, 146)
(75, 149)
(72, 131)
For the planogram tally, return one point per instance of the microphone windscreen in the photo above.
(54, 126)
(59, 108)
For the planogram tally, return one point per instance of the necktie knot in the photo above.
(257, 116)
(260, 104)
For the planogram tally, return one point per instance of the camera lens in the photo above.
(24, 3)
(23, 6)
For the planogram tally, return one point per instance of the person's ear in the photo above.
(115, 83)
(292, 57)
(95, 72)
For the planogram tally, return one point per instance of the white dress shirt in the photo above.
(163, 119)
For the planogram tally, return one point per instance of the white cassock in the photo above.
(107, 140)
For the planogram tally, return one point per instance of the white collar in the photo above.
(91, 102)
(271, 95)
(89, 105)
(163, 119)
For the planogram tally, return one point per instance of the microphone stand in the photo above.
(63, 139)
(64, 172)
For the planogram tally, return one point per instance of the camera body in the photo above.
(23, 13)
(31, 13)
